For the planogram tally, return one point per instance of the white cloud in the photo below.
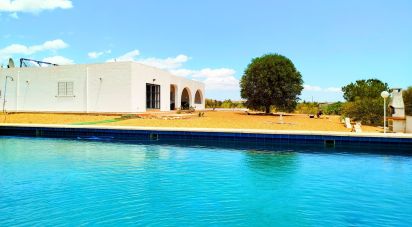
(166, 63)
(214, 73)
(51, 45)
(214, 79)
(334, 89)
(182, 72)
(20, 49)
(169, 63)
(308, 87)
(129, 56)
(222, 83)
(60, 60)
(33, 6)
(96, 54)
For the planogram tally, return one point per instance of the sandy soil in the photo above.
(210, 120)
(40, 118)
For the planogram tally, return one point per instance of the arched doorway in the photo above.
(173, 96)
(198, 97)
(185, 99)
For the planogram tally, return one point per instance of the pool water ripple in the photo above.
(68, 182)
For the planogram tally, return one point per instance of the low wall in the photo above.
(208, 136)
(409, 124)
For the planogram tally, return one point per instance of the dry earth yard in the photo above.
(211, 119)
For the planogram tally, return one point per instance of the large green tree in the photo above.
(364, 102)
(371, 88)
(271, 81)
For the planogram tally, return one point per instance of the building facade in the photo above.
(116, 87)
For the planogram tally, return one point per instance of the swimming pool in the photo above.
(73, 182)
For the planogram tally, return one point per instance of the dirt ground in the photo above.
(42, 118)
(218, 119)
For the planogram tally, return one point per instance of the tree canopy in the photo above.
(364, 101)
(271, 81)
(370, 88)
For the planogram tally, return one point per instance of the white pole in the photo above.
(5, 92)
(384, 115)
(4, 95)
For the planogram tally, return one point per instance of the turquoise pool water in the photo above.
(54, 182)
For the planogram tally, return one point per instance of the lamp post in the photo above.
(384, 95)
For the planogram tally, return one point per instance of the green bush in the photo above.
(367, 110)
(333, 109)
(210, 103)
(307, 108)
(364, 101)
(228, 104)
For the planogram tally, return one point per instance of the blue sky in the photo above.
(332, 43)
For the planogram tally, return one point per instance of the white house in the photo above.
(116, 87)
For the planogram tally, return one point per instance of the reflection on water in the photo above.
(269, 161)
(54, 182)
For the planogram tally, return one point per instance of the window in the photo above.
(152, 96)
(65, 89)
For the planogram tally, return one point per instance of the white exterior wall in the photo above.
(398, 125)
(142, 74)
(35, 89)
(408, 124)
(118, 87)
(109, 88)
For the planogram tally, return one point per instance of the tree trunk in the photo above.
(267, 109)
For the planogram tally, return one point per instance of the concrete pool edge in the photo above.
(222, 130)
(211, 134)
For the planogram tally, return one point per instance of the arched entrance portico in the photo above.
(185, 101)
